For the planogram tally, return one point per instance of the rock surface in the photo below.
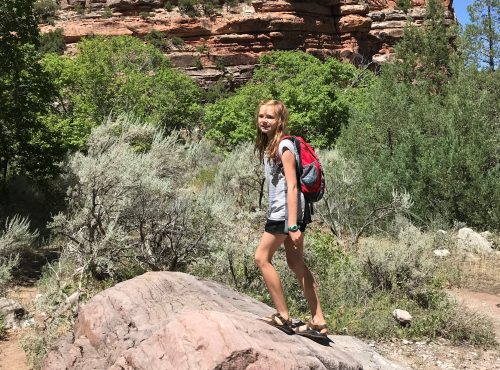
(13, 314)
(469, 240)
(358, 31)
(402, 316)
(166, 320)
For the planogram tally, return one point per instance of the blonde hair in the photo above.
(262, 144)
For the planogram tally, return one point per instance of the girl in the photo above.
(287, 218)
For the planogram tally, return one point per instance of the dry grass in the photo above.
(480, 273)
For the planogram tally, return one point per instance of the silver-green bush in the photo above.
(131, 203)
(344, 209)
(13, 239)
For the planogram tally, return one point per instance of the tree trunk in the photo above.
(491, 36)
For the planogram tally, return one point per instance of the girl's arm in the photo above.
(289, 167)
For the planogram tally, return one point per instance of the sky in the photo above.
(460, 7)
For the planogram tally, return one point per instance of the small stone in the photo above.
(402, 316)
(406, 342)
(441, 252)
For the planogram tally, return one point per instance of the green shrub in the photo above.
(344, 209)
(188, 7)
(404, 5)
(177, 41)
(219, 64)
(14, 238)
(52, 42)
(107, 13)
(197, 63)
(45, 10)
(317, 110)
(79, 8)
(146, 15)
(203, 49)
(168, 6)
(157, 39)
(216, 91)
(3, 331)
(130, 205)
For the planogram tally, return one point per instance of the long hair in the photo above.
(264, 146)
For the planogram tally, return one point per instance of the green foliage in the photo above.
(2, 328)
(439, 147)
(360, 289)
(52, 42)
(483, 32)
(198, 64)
(131, 204)
(79, 8)
(146, 15)
(215, 92)
(345, 209)
(317, 109)
(107, 13)
(177, 41)
(157, 39)
(232, 195)
(14, 237)
(203, 49)
(425, 55)
(219, 64)
(188, 7)
(120, 75)
(168, 6)
(404, 5)
(45, 10)
(26, 144)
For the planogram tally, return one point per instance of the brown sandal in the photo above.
(313, 331)
(279, 322)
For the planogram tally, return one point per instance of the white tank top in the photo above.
(276, 182)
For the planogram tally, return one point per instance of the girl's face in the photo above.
(267, 120)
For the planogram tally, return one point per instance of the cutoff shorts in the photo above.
(278, 227)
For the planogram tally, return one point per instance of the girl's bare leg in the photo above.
(268, 245)
(295, 260)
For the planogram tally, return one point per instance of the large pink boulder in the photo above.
(166, 320)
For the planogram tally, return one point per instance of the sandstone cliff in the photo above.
(230, 41)
(168, 320)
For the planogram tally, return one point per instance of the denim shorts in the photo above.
(278, 227)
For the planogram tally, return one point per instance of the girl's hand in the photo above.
(297, 237)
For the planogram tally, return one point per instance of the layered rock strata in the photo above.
(230, 40)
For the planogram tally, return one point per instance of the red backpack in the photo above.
(310, 174)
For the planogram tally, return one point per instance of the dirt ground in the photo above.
(437, 355)
(12, 356)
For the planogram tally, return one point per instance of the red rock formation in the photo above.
(361, 31)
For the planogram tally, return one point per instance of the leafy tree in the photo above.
(483, 32)
(426, 55)
(318, 95)
(26, 143)
(52, 42)
(45, 10)
(120, 75)
(438, 147)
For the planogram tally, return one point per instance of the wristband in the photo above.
(293, 228)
